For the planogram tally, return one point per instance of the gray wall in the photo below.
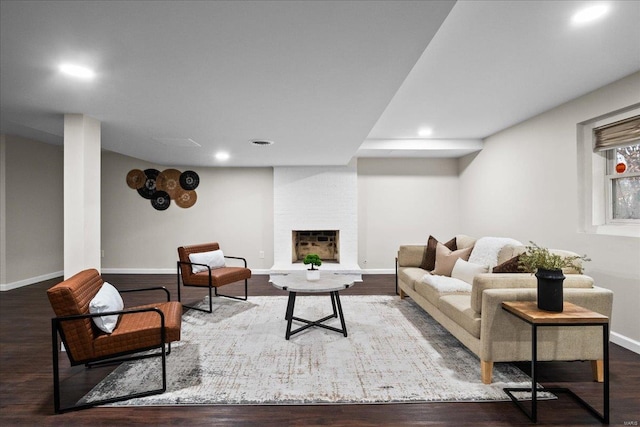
(32, 205)
(402, 201)
(524, 184)
(234, 208)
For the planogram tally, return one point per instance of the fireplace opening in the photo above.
(324, 243)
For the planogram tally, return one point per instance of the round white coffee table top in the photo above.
(296, 281)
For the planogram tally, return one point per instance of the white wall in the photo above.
(403, 201)
(32, 212)
(316, 198)
(234, 208)
(524, 185)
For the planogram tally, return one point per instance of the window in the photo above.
(620, 141)
(608, 149)
(623, 183)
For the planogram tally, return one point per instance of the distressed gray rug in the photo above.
(395, 352)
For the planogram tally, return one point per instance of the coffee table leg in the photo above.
(333, 304)
(337, 298)
(289, 315)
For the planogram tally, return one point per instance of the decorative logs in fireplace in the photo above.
(325, 243)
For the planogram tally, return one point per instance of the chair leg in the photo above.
(246, 294)
(56, 379)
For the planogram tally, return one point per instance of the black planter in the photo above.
(550, 289)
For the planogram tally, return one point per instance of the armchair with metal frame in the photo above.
(211, 278)
(139, 329)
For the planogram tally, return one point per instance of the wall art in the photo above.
(162, 187)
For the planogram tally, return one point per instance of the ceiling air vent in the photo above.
(262, 142)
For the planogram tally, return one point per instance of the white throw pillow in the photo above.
(214, 259)
(107, 299)
(466, 271)
(446, 284)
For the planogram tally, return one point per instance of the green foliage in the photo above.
(312, 259)
(540, 258)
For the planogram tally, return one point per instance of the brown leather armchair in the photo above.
(211, 278)
(139, 329)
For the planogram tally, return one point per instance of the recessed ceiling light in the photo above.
(590, 13)
(77, 71)
(222, 156)
(425, 131)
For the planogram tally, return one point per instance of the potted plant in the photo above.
(313, 274)
(548, 269)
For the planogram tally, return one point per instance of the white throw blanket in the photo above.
(446, 284)
(486, 250)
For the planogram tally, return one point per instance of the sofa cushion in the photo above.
(432, 292)
(446, 259)
(410, 275)
(458, 308)
(444, 284)
(466, 271)
(463, 241)
(429, 260)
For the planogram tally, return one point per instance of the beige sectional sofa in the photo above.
(476, 318)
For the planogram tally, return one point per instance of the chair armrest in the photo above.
(237, 257)
(149, 289)
(110, 313)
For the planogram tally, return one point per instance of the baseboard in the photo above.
(172, 271)
(625, 342)
(30, 281)
(378, 271)
(258, 271)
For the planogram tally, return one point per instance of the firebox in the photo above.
(324, 243)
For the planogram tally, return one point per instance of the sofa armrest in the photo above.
(485, 281)
(411, 255)
(504, 337)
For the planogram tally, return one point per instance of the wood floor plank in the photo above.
(26, 391)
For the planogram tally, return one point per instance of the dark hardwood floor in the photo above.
(26, 391)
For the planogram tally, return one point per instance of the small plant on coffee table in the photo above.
(312, 259)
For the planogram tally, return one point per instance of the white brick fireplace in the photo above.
(315, 198)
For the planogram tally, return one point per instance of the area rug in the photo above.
(394, 352)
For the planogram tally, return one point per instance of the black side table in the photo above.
(572, 315)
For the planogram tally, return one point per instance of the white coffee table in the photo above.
(333, 283)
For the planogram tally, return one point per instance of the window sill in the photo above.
(626, 230)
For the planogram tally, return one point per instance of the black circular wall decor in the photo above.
(162, 187)
(160, 200)
(149, 187)
(189, 180)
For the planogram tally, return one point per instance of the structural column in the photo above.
(81, 194)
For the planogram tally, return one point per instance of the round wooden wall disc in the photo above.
(136, 179)
(186, 198)
(169, 181)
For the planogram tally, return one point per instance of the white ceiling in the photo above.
(326, 81)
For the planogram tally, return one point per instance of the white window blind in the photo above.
(618, 134)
